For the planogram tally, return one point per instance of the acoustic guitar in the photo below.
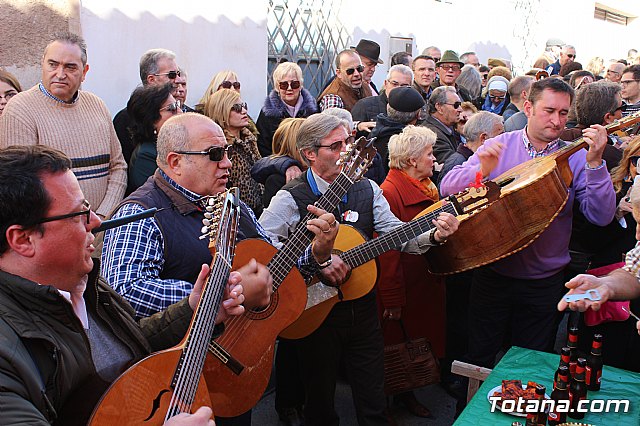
(358, 254)
(170, 382)
(239, 364)
(532, 194)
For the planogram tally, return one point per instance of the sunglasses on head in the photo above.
(350, 71)
(239, 107)
(227, 85)
(172, 107)
(171, 75)
(284, 85)
(215, 153)
(634, 160)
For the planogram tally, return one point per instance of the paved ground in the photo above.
(442, 407)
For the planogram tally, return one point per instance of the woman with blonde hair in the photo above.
(407, 292)
(226, 108)
(285, 164)
(287, 99)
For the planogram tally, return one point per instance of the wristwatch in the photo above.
(325, 264)
(433, 241)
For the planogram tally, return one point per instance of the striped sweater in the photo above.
(82, 130)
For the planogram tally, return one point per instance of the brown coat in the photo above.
(348, 95)
(404, 279)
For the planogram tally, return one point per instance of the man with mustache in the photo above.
(519, 293)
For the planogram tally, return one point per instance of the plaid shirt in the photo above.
(331, 101)
(533, 153)
(632, 261)
(133, 258)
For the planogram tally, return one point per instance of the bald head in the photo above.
(178, 131)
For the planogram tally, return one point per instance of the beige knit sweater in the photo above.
(82, 130)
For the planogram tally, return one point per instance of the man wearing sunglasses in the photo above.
(444, 112)
(65, 333)
(567, 54)
(351, 334)
(514, 299)
(58, 114)
(157, 67)
(347, 88)
(449, 68)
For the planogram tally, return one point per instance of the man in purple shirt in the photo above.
(518, 294)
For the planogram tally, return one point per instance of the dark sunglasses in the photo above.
(171, 74)
(569, 55)
(498, 98)
(87, 212)
(172, 107)
(215, 153)
(227, 85)
(455, 105)
(634, 160)
(284, 85)
(350, 71)
(337, 146)
(238, 107)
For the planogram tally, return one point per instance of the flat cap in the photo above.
(405, 99)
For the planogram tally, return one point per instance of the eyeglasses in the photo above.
(238, 107)
(227, 85)
(398, 84)
(613, 72)
(171, 75)
(570, 56)
(350, 71)
(627, 82)
(455, 105)
(634, 160)
(8, 95)
(284, 85)
(215, 153)
(86, 211)
(485, 76)
(450, 67)
(497, 98)
(436, 59)
(337, 146)
(172, 107)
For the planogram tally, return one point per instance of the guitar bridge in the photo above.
(226, 358)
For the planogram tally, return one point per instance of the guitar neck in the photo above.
(288, 255)
(394, 238)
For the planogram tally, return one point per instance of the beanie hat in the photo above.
(405, 99)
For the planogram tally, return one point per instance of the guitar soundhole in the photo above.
(266, 311)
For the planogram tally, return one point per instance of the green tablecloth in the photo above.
(525, 364)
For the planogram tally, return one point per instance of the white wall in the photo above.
(209, 36)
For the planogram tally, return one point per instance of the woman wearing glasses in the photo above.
(149, 107)
(9, 87)
(287, 99)
(497, 97)
(226, 108)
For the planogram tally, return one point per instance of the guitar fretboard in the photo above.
(288, 255)
(394, 238)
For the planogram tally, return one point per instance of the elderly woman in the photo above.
(226, 108)
(148, 107)
(287, 99)
(9, 87)
(406, 289)
(497, 97)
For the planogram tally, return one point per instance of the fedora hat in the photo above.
(369, 49)
(449, 57)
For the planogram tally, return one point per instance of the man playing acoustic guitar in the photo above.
(518, 294)
(351, 332)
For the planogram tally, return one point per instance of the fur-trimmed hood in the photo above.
(274, 107)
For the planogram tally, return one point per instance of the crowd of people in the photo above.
(78, 308)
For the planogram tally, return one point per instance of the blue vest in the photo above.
(184, 252)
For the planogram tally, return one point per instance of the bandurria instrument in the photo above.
(170, 382)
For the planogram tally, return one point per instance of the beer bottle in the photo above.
(560, 392)
(594, 364)
(565, 356)
(578, 389)
(572, 343)
(538, 418)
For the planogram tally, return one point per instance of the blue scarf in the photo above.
(488, 105)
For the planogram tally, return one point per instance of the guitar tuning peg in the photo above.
(206, 222)
(209, 208)
(208, 215)
(204, 230)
